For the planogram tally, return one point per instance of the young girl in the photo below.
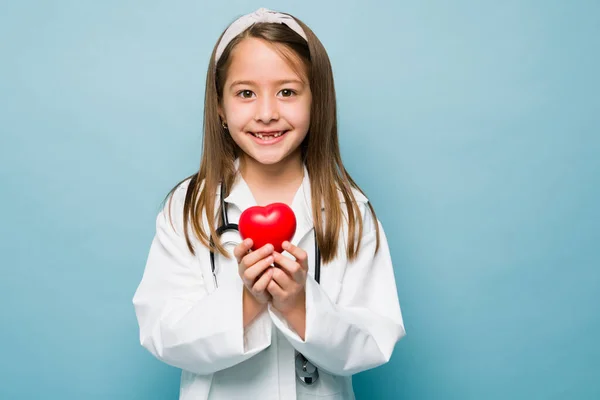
(259, 324)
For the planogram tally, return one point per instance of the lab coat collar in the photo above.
(241, 196)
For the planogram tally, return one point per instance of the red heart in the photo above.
(273, 224)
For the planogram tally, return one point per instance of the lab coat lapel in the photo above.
(302, 207)
(240, 194)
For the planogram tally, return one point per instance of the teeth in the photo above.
(267, 137)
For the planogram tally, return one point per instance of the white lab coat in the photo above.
(353, 318)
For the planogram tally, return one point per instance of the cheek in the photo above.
(299, 115)
(306, 110)
(304, 118)
(237, 114)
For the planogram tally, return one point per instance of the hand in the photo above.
(289, 280)
(255, 269)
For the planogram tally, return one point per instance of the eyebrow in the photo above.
(279, 82)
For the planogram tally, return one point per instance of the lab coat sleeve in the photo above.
(180, 322)
(360, 330)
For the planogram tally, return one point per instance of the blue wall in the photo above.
(479, 123)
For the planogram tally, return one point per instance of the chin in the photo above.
(268, 160)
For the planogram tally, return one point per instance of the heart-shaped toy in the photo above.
(272, 224)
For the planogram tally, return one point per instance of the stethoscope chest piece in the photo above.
(305, 370)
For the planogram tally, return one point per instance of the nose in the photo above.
(267, 110)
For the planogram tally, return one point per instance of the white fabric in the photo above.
(246, 21)
(353, 318)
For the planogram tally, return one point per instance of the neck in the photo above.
(275, 182)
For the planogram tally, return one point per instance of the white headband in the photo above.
(246, 21)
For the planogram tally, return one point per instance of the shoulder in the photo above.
(172, 212)
(369, 221)
(177, 196)
(359, 197)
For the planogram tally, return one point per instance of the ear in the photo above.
(221, 113)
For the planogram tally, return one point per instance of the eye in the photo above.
(287, 92)
(245, 94)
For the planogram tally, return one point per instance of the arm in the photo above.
(361, 330)
(180, 322)
(252, 308)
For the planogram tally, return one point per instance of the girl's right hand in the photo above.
(255, 269)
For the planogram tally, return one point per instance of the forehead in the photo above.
(263, 62)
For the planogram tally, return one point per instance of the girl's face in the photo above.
(266, 102)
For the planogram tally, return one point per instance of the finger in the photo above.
(253, 272)
(262, 282)
(291, 267)
(300, 255)
(283, 280)
(275, 290)
(257, 255)
(242, 249)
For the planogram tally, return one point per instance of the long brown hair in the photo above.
(320, 148)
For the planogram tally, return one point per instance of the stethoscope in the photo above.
(306, 371)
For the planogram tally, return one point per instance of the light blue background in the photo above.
(472, 126)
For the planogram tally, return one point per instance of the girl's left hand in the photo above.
(287, 286)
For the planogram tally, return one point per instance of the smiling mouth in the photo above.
(268, 135)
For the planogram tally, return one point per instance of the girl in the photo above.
(260, 324)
